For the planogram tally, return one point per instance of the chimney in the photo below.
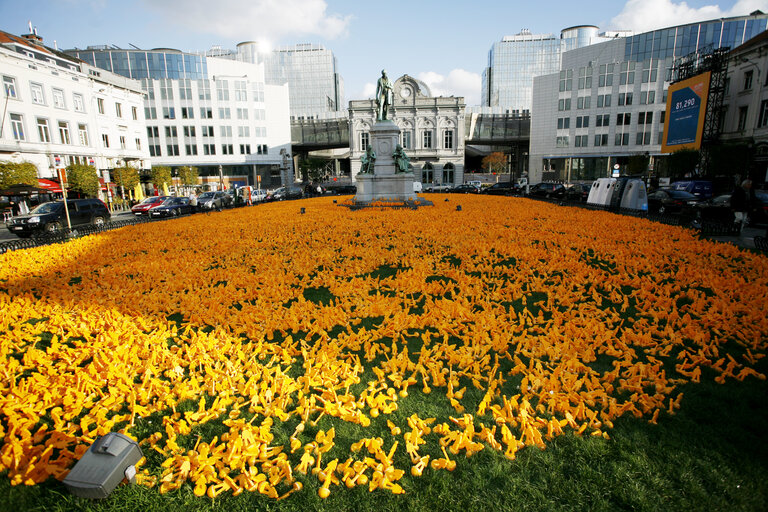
(32, 37)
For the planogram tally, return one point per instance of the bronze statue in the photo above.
(383, 96)
(368, 160)
(402, 162)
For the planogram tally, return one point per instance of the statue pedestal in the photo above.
(385, 183)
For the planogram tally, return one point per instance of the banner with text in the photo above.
(686, 110)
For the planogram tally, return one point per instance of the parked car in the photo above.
(547, 189)
(343, 190)
(172, 207)
(700, 188)
(258, 195)
(439, 187)
(283, 193)
(715, 209)
(465, 188)
(143, 207)
(215, 200)
(51, 217)
(672, 201)
(502, 188)
(577, 192)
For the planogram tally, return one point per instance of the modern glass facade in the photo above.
(314, 84)
(516, 60)
(138, 64)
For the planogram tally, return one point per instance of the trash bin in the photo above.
(108, 460)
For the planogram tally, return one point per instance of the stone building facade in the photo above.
(431, 131)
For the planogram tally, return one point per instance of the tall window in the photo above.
(17, 124)
(448, 140)
(37, 94)
(82, 132)
(448, 173)
(623, 119)
(563, 123)
(9, 85)
(58, 98)
(166, 89)
(204, 89)
(206, 112)
(585, 77)
(169, 113)
(226, 131)
(150, 113)
(135, 113)
(583, 102)
(603, 120)
(622, 139)
(605, 78)
(562, 142)
(601, 139)
(742, 118)
(582, 122)
(122, 142)
(649, 72)
(762, 121)
(365, 141)
(225, 113)
(77, 100)
(222, 90)
(64, 132)
(427, 139)
(185, 89)
(240, 94)
(171, 131)
(118, 110)
(405, 139)
(625, 98)
(189, 131)
(564, 104)
(566, 80)
(604, 100)
(748, 79)
(100, 105)
(105, 140)
(581, 141)
(427, 173)
(43, 131)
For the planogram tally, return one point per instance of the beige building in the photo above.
(431, 131)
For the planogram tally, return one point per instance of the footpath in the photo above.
(746, 239)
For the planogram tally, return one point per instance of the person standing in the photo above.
(383, 96)
(741, 203)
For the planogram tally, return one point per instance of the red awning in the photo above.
(49, 185)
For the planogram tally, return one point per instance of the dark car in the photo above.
(546, 189)
(343, 190)
(52, 217)
(143, 207)
(716, 209)
(213, 200)
(171, 207)
(700, 188)
(577, 192)
(672, 201)
(502, 188)
(465, 188)
(283, 193)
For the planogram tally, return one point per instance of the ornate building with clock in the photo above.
(431, 131)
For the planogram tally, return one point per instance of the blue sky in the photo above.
(445, 43)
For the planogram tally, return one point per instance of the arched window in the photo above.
(448, 173)
(427, 173)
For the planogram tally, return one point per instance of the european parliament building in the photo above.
(608, 100)
(210, 111)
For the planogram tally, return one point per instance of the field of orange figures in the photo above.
(530, 320)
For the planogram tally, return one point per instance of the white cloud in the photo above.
(458, 83)
(254, 19)
(369, 90)
(645, 15)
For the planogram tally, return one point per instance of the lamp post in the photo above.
(221, 177)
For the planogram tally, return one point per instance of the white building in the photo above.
(431, 131)
(213, 113)
(58, 110)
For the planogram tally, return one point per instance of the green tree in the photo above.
(188, 176)
(126, 177)
(83, 179)
(312, 169)
(161, 175)
(11, 173)
(638, 164)
(495, 162)
(683, 162)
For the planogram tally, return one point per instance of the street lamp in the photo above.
(221, 177)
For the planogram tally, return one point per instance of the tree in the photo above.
(638, 164)
(126, 177)
(312, 169)
(188, 176)
(495, 162)
(683, 162)
(161, 175)
(83, 179)
(11, 173)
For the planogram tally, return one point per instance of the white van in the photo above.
(417, 186)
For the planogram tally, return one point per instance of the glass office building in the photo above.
(607, 101)
(514, 61)
(311, 71)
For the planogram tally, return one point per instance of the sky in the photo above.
(444, 43)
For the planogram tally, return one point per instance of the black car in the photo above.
(549, 190)
(52, 217)
(672, 201)
(285, 193)
(342, 190)
(465, 188)
(172, 207)
(577, 192)
(716, 209)
(502, 188)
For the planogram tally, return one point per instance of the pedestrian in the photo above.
(193, 201)
(741, 203)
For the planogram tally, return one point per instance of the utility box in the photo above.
(109, 459)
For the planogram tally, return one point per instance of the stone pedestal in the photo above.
(385, 184)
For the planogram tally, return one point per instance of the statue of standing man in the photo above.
(383, 96)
